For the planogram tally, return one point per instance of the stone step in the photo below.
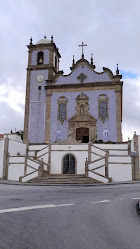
(63, 180)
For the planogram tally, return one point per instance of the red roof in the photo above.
(1, 136)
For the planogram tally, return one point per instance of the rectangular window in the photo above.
(103, 109)
(62, 111)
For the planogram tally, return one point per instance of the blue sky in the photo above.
(109, 28)
(128, 74)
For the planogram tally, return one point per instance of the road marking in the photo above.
(9, 210)
(104, 201)
(136, 198)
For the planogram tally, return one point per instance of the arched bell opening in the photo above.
(40, 58)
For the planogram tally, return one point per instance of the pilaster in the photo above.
(118, 114)
(5, 158)
(48, 115)
(26, 118)
(136, 159)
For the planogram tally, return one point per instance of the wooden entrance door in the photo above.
(69, 164)
(82, 134)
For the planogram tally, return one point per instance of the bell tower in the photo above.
(43, 64)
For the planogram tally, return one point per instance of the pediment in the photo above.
(85, 118)
(83, 73)
(69, 140)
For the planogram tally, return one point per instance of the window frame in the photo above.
(103, 98)
(61, 100)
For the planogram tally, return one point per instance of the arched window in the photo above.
(103, 112)
(40, 58)
(103, 109)
(62, 109)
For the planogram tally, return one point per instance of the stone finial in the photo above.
(91, 59)
(117, 71)
(31, 41)
(52, 38)
(73, 61)
(134, 132)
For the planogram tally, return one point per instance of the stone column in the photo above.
(5, 158)
(86, 168)
(136, 158)
(106, 163)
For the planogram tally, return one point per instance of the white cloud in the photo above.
(110, 29)
(131, 107)
(14, 98)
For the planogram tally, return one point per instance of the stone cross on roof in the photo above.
(83, 45)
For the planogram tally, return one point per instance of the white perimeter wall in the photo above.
(15, 171)
(1, 156)
(80, 152)
(139, 152)
(16, 163)
(16, 147)
(119, 162)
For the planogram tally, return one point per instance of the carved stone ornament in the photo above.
(82, 77)
(82, 117)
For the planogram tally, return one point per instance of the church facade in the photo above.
(85, 104)
(72, 126)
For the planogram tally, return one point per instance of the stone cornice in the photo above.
(41, 67)
(82, 85)
(50, 45)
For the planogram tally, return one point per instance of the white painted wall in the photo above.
(98, 151)
(43, 151)
(31, 176)
(118, 152)
(16, 159)
(113, 159)
(112, 146)
(45, 158)
(97, 177)
(31, 153)
(139, 152)
(33, 164)
(1, 156)
(29, 170)
(14, 137)
(132, 145)
(58, 152)
(37, 147)
(15, 171)
(60, 147)
(94, 157)
(16, 147)
(101, 171)
(97, 164)
(120, 172)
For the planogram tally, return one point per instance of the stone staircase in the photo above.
(63, 179)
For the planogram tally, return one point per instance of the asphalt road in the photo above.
(68, 217)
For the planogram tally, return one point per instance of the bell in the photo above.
(40, 60)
